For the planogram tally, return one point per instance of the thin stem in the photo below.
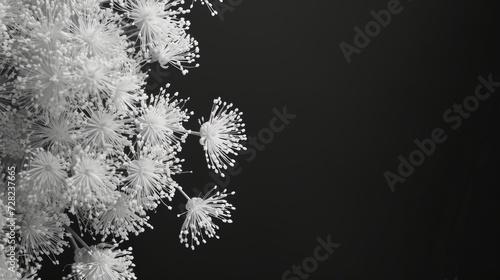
(73, 243)
(183, 193)
(77, 237)
(197, 133)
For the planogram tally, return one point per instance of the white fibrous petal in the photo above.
(44, 178)
(155, 20)
(199, 217)
(221, 136)
(179, 51)
(43, 82)
(41, 233)
(160, 121)
(93, 181)
(105, 130)
(121, 218)
(98, 34)
(149, 174)
(104, 262)
(56, 133)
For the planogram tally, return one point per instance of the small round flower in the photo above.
(199, 214)
(45, 23)
(120, 219)
(149, 176)
(42, 232)
(103, 130)
(156, 20)
(104, 262)
(93, 181)
(56, 133)
(44, 82)
(160, 122)
(97, 34)
(44, 179)
(94, 79)
(178, 51)
(221, 136)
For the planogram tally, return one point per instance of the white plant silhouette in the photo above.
(89, 146)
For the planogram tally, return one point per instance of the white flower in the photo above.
(44, 179)
(93, 181)
(44, 24)
(105, 130)
(160, 122)
(199, 214)
(178, 51)
(149, 176)
(120, 219)
(56, 133)
(44, 82)
(104, 262)
(42, 232)
(95, 79)
(98, 34)
(156, 19)
(221, 136)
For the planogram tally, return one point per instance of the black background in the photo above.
(323, 174)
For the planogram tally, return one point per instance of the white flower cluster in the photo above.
(89, 145)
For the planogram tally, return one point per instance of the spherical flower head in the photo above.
(105, 130)
(160, 122)
(93, 181)
(156, 20)
(96, 33)
(179, 51)
(149, 178)
(45, 24)
(199, 214)
(42, 232)
(221, 136)
(120, 219)
(95, 79)
(43, 181)
(43, 84)
(56, 133)
(104, 262)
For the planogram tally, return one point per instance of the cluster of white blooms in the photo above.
(89, 146)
